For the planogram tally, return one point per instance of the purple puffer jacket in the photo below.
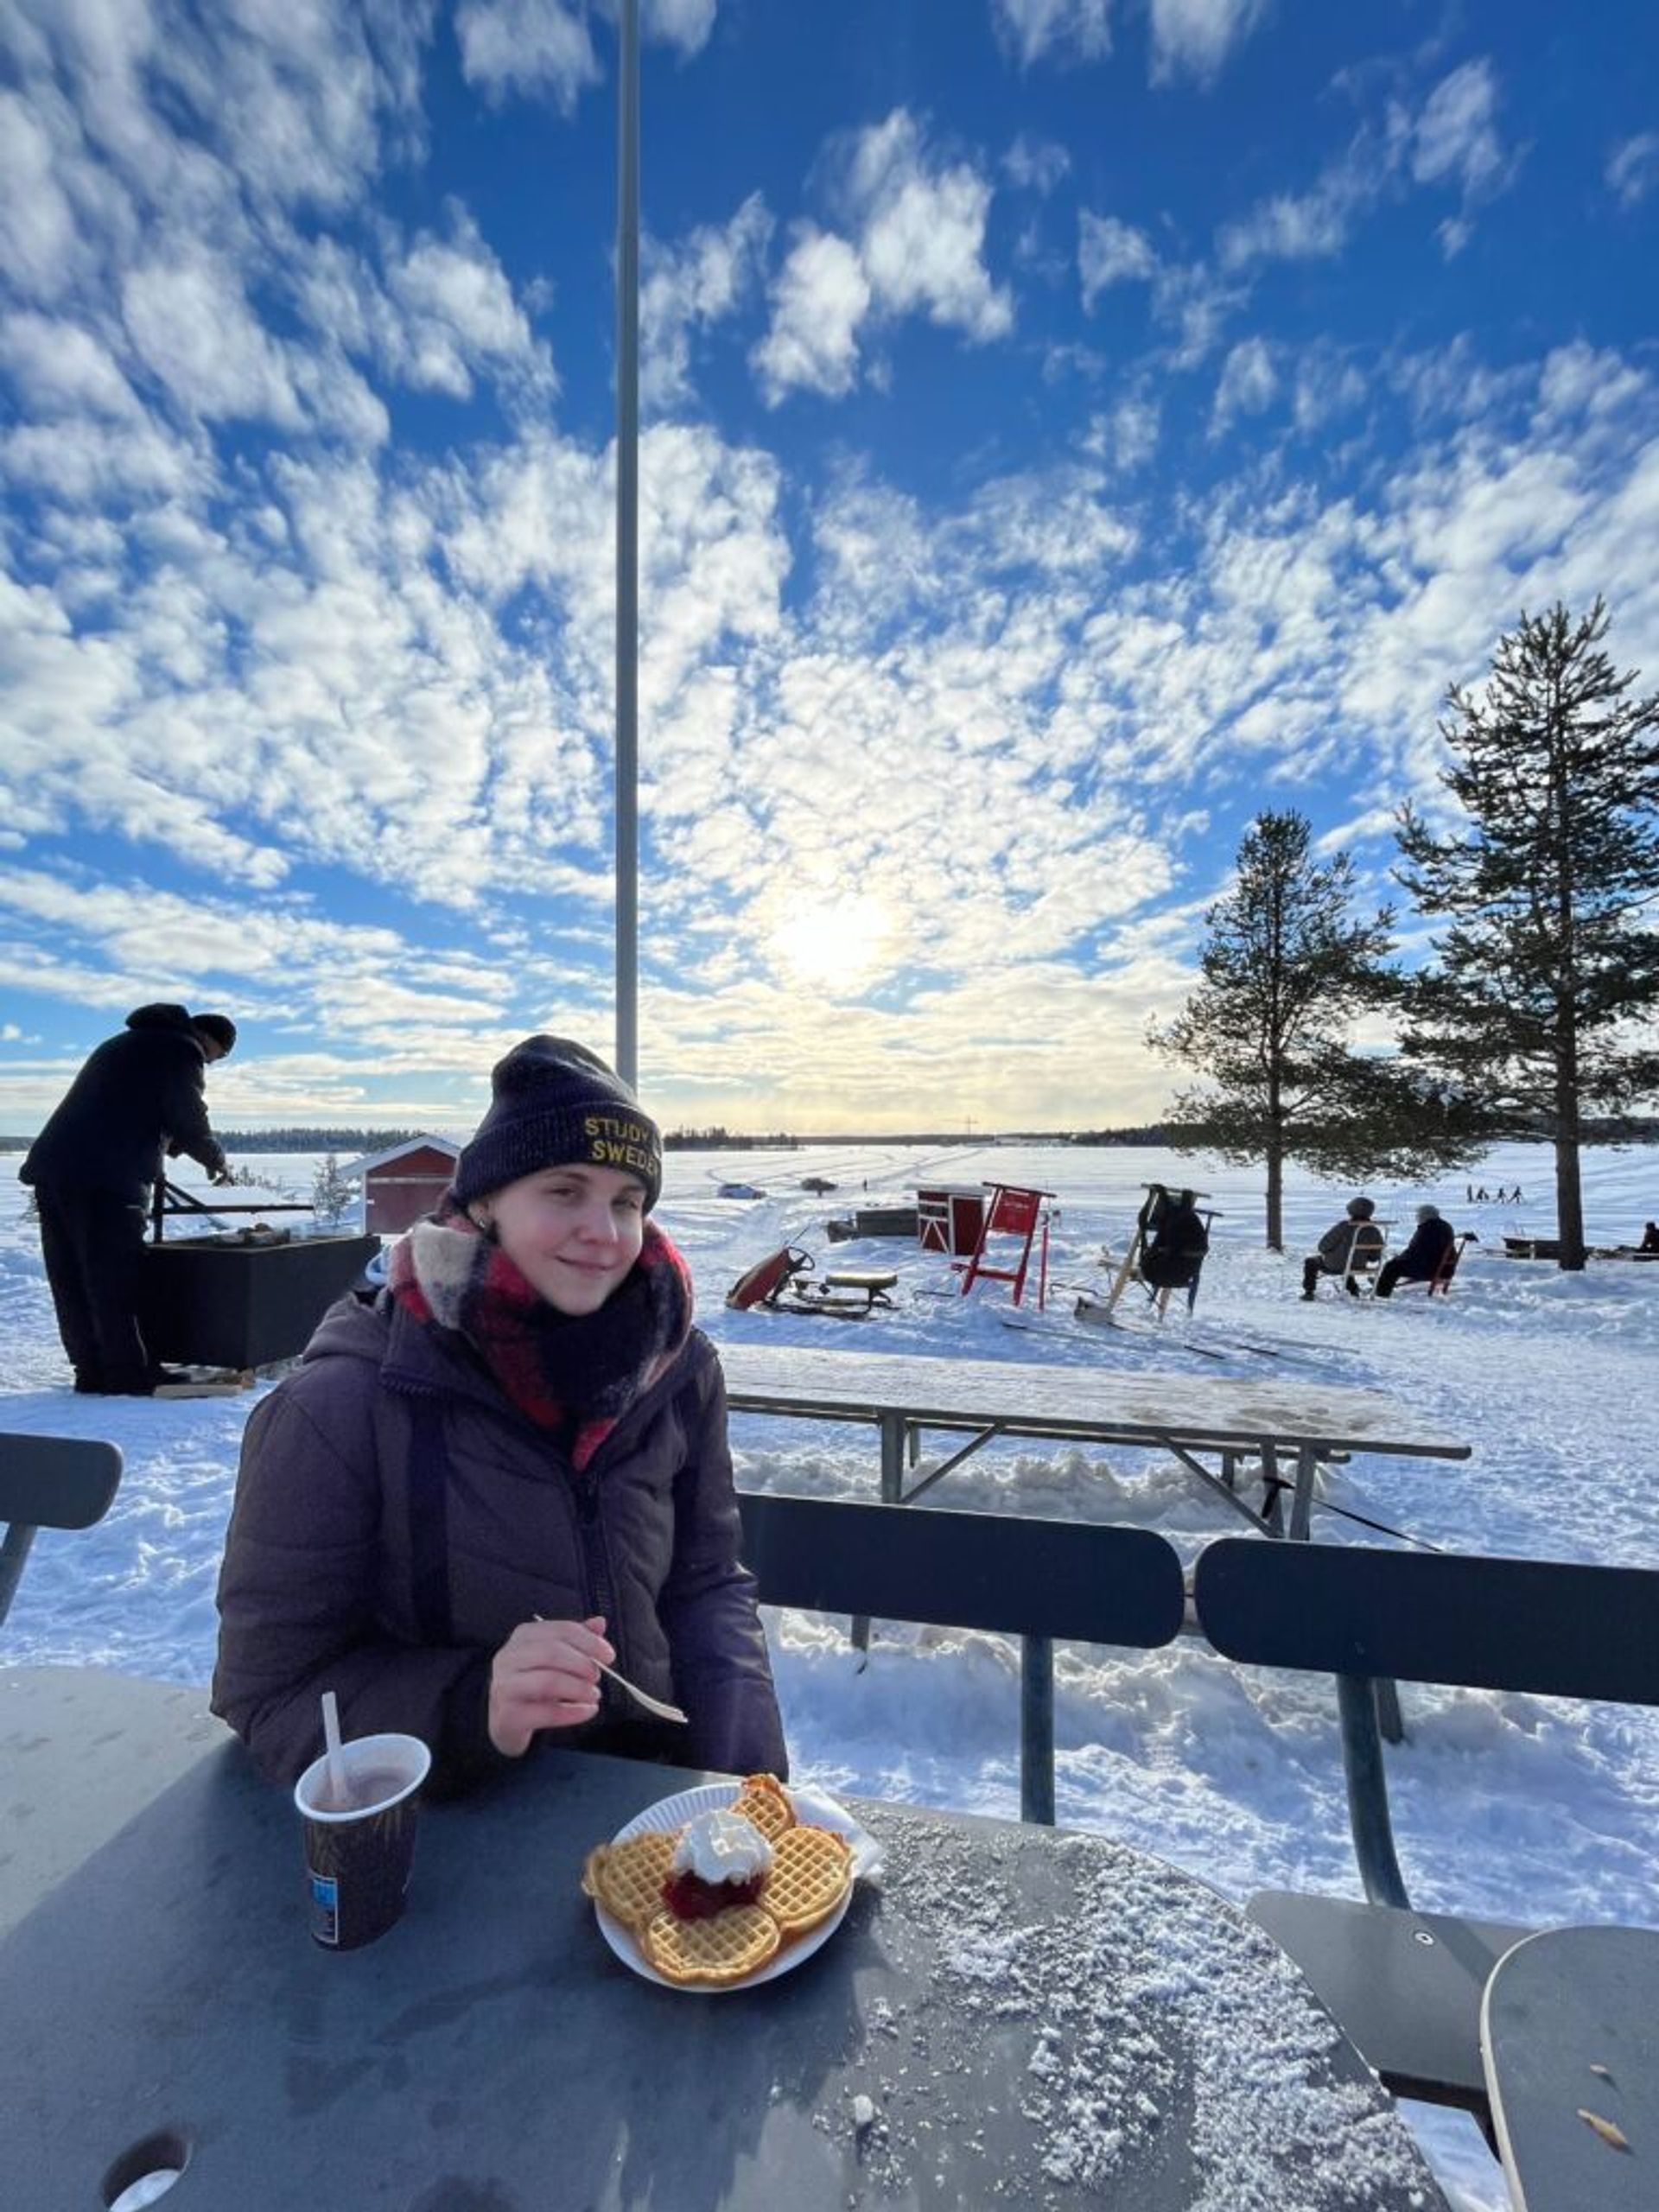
(396, 1519)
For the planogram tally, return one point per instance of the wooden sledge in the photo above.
(779, 1283)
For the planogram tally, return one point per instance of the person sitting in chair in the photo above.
(1351, 1245)
(1431, 1240)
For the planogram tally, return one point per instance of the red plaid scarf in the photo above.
(574, 1374)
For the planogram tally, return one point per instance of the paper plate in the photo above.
(674, 1812)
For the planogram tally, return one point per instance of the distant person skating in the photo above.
(1353, 1241)
(139, 1096)
(1431, 1240)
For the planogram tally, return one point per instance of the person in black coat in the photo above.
(139, 1096)
(1431, 1240)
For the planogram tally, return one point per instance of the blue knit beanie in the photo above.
(552, 1103)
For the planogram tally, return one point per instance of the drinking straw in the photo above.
(332, 1749)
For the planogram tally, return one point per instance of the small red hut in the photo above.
(402, 1184)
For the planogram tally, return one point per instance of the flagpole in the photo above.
(627, 542)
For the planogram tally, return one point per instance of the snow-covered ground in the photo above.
(1509, 1806)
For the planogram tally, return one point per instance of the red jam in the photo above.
(688, 1896)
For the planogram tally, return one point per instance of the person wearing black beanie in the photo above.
(509, 1470)
(553, 1102)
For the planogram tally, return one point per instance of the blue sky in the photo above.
(1070, 427)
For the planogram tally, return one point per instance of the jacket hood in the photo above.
(160, 1017)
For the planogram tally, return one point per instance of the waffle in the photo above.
(627, 1879)
(811, 1870)
(726, 1948)
(764, 1800)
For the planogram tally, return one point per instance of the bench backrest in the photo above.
(49, 1481)
(1074, 1579)
(1036, 1580)
(1550, 1626)
(1365, 1615)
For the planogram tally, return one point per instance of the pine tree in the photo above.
(1288, 970)
(1550, 963)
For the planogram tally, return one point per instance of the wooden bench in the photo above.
(1405, 1985)
(1038, 1579)
(49, 1481)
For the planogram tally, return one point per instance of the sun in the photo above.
(834, 944)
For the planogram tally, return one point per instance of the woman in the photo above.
(511, 1465)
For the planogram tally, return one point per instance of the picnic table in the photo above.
(1225, 1431)
(1011, 2015)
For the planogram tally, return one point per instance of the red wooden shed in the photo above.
(401, 1185)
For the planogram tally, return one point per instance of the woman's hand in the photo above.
(544, 1677)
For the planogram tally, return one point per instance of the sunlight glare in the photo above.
(834, 944)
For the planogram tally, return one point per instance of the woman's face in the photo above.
(573, 1232)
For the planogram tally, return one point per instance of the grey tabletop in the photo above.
(1034, 1399)
(1012, 2016)
(1569, 2038)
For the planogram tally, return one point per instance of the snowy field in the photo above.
(1507, 1805)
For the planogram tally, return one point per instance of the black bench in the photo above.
(49, 1481)
(1038, 1579)
(1407, 1985)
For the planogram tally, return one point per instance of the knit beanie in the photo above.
(219, 1026)
(1361, 1209)
(553, 1102)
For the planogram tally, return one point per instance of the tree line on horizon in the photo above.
(1533, 1017)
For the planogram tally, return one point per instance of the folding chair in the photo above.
(1039, 1579)
(1407, 1985)
(49, 1481)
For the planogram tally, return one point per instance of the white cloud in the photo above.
(1067, 28)
(1036, 164)
(682, 23)
(528, 46)
(691, 285)
(1248, 384)
(917, 235)
(1111, 252)
(1632, 170)
(1293, 227)
(457, 313)
(819, 301)
(1126, 436)
(190, 321)
(534, 47)
(1194, 38)
(61, 369)
(1456, 141)
(40, 250)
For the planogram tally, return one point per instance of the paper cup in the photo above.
(357, 1856)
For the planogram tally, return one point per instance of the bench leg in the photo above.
(896, 1432)
(1387, 1709)
(1037, 1730)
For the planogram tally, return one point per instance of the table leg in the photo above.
(1273, 1489)
(1301, 1508)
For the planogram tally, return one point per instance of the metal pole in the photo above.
(627, 542)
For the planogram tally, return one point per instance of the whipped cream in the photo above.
(722, 1847)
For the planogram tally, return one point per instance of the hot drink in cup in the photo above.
(359, 1841)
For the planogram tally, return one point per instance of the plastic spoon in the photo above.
(333, 1751)
(642, 1697)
